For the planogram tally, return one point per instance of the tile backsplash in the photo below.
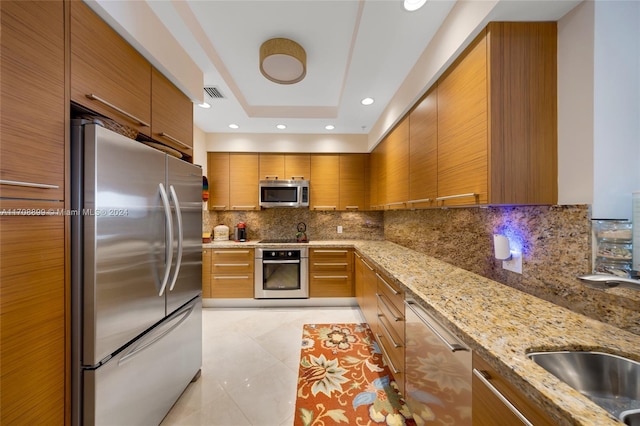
(555, 242)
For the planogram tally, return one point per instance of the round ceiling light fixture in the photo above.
(283, 61)
(367, 101)
(413, 5)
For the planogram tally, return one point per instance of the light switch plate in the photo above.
(514, 264)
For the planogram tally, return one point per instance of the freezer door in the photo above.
(140, 385)
(124, 241)
(184, 183)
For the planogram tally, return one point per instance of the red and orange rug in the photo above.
(343, 379)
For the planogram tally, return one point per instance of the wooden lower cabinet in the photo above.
(331, 272)
(32, 319)
(489, 409)
(391, 326)
(231, 273)
(365, 291)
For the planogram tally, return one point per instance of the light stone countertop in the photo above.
(500, 323)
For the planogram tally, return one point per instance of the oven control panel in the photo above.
(281, 254)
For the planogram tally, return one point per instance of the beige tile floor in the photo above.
(250, 366)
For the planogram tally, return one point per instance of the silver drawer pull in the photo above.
(231, 251)
(424, 200)
(230, 264)
(352, 207)
(393, 290)
(450, 197)
(399, 203)
(386, 355)
(28, 184)
(381, 299)
(243, 207)
(330, 277)
(484, 378)
(330, 264)
(426, 318)
(218, 207)
(294, 177)
(172, 139)
(388, 333)
(366, 264)
(271, 177)
(232, 277)
(324, 207)
(331, 251)
(120, 110)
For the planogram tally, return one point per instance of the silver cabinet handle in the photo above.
(381, 299)
(243, 207)
(386, 355)
(230, 264)
(294, 177)
(218, 207)
(449, 197)
(366, 264)
(330, 277)
(387, 332)
(330, 264)
(120, 110)
(231, 251)
(399, 203)
(231, 277)
(352, 207)
(274, 177)
(176, 202)
(331, 251)
(280, 261)
(172, 139)
(484, 378)
(426, 318)
(393, 290)
(324, 207)
(28, 184)
(424, 200)
(169, 238)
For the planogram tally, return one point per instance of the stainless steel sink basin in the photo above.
(611, 381)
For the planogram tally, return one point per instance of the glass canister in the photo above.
(613, 247)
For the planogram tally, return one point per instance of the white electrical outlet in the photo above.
(339, 229)
(514, 264)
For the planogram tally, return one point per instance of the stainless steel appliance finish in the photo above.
(281, 273)
(136, 278)
(427, 338)
(284, 193)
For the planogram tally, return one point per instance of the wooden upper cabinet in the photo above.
(285, 166)
(497, 118)
(243, 181)
(397, 166)
(32, 123)
(171, 114)
(352, 181)
(325, 182)
(218, 177)
(379, 167)
(108, 76)
(462, 129)
(423, 152)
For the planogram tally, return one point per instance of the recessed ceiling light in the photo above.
(281, 126)
(367, 101)
(204, 105)
(329, 127)
(234, 126)
(412, 5)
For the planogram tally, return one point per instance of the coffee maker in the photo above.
(240, 232)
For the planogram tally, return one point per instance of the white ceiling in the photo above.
(355, 49)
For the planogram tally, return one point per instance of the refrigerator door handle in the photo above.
(169, 238)
(142, 345)
(174, 197)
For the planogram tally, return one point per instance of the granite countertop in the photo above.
(500, 323)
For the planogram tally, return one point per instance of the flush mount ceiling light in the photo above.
(367, 101)
(283, 61)
(204, 105)
(234, 126)
(412, 5)
(329, 127)
(281, 126)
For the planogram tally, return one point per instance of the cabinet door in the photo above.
(352, 181)
(108, 76)
(232, 273)
(423, 152)
(297, 166)
(397, 166)
(32, 306)
(331, 272)
(462, 129)
(272, 166)
(243, 176)
(380, 155)
(374, 176)
(218, 177)
(325, 182)
(32, 123)
(171, 114)
(206, 273)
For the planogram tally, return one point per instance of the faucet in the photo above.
(605, 281)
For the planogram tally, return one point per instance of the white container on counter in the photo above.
(221, 233)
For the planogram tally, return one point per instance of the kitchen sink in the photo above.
(611, 381)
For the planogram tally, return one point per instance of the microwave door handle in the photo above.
(168, 239)
(174, 197)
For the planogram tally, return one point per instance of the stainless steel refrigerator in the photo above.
(136, 278)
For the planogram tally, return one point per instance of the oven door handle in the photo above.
(280, 261)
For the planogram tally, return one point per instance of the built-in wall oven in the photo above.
(282, 273)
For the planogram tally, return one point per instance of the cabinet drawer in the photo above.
(394, 320)
(331, 255)
(392, 293)
(231, 268)
(222, 256)
(325, 285)
(232, 286)
(394, 357)
(331, 267)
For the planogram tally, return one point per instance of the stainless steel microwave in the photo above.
(284, 193)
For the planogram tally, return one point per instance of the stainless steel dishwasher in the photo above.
(438, 370)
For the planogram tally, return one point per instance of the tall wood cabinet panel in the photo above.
(423, 152)
(379, 167)
(397, 166)
(32, 85)
(171, 114)
(271, 166)
(462, 128)
(243, 181)
(104, 65)
(325, 182)
(33, 124)
(352, 181)
(218, 177)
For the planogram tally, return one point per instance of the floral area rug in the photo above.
(343, 379)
